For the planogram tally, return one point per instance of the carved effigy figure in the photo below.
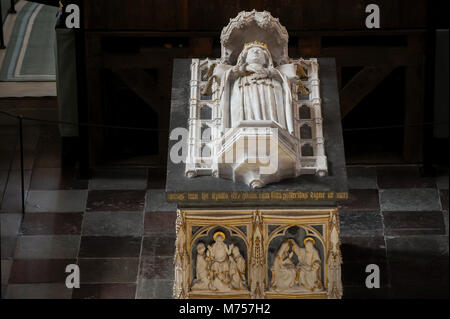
(219, 253)
(258, 90)
(283, 269)
(253, 89)
(309, 265)
(237, 270)
(201, 281)
(254, 92)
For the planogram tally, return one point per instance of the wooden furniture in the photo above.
(136, 43)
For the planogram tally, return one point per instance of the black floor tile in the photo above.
(356, 223)
(39, 271)
(111, 200)
(122, 270)
(109, 247)
(157, 267)
(105, 291)
(52, 224)
(158, 246)
(361, 200)
(403, 177)
(413, 223)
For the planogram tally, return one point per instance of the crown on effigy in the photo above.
(255, 43)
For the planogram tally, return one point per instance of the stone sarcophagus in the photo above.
(258, 171)
(255, 114)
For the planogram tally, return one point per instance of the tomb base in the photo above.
(279, 241)
(258, 253)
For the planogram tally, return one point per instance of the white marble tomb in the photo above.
(255, 114)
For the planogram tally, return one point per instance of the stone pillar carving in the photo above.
(334, 284)
(181, 260)
(257, 284)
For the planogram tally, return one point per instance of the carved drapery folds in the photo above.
(303, 275)
(219, 266)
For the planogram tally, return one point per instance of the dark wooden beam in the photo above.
(360, 85)
(415, 105)
(141, 84)
(372, 56)
(200, 47)
(294, 15)
(309, 46)
(145, 59)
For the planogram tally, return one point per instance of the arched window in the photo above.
(205, 97)
(307, 150)
(305, 132)
(205, 133)
(305, 112)
(203, 74)
(205, 113)
(205, 151)
(304, 97)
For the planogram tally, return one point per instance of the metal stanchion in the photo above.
(13, 7)
(2, 40)
(21, 164)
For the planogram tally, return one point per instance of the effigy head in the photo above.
(309, 242)
(219, 236)
(201, 248)
(255, 53)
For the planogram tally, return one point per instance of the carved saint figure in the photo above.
(309, 265)
(254, 89)
(219, 253)
(201, 281)
(283, 269)
(237, 270)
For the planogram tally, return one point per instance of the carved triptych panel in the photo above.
(258, 254)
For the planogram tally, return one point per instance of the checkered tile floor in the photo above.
(118, 228)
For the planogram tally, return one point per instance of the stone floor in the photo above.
(120, 231)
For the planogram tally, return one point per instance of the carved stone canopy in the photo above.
(254, 26)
